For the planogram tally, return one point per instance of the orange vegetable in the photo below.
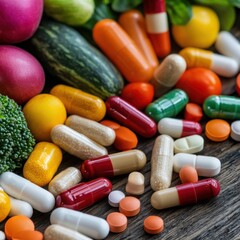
(193, 112)
(188, 174)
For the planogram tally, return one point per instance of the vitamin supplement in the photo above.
(20, 188)
(153, 224)
(168, 105)
(161, 163)
(64, 180)
(99, 133)
(185, 194)
(135, 184)
(58, 232)
(42, 163)
(193, 112)
(157, 26)
(225, 107)
(217, 130)
(5, 205)
(206, 166)
(27, 235)
(91, 226)
(133, 23)
(129, 206)
(178, 128)
(111, 124)
(238, 84)
(221, 65)
(190, 144)
(115, 197)
(19, 207)
(188, 174)
(130, 117)
(167, 74)
(117, 222)
(84, 194)
(122, 51)
(76, 143)
(79, 102)
(235, 130)
(2, 235)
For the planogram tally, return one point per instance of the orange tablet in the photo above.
(153, 224)
(117, 222)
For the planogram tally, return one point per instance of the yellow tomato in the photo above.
(201, 31)
(5, 205)
(42, 113)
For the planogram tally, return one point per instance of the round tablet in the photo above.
(188, 174)
(117, 222)
(153, 224)
(235, 130)
(217, 130)
(28, 235)
(2, 235)
(129, 206)
(115, 197)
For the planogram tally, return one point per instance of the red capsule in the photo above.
(131, 117)
(84, 194)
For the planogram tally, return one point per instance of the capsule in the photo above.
(131, 117)
(235, 130)
(178, 128)
(169, 105)
(19, 207)
(221, 65)
(157, 26)
(76, 143)
(2, 235)
(5, 205)
(122, 51)
(114, 164)
(167, 74)
(84, 194)
(206, 166)
(91, 226)
(135, 184)
(185, 194)
(20, 188)
(224, 107)
(162, 163)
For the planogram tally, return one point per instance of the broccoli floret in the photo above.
(16, 140)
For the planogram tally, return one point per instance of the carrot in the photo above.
(193, 112)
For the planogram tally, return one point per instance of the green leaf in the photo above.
(235, 3)
(124, 5)
(212, 2)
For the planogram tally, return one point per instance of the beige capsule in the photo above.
(135, 184)
(162, 163)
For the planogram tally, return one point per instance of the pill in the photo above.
(217, 130)
(58, 232)
(111, 124)
(99, 133)
(122, 51)
(161, 163)
(188, 174)
(42, 163)
(225, 107)
(2, 235)
(75, 143)
(19, 207)
(153, 224)
(190, 144)
(89, 225)
(157, 26)
(21, 188)
(135, 184)
(114, 164)
(178, 128)
(235, 130)
(238, 84)
(130, 206)
(27, 235)
(167, 74)
(5, 205)
(117, 222)
(115, 197)
(206, 166)
(221, 65)
(185, 194)
(64, 180)
(84, 194)
(193, 112)
(168, 105)
(130, 117)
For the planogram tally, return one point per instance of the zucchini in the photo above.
(69, 57)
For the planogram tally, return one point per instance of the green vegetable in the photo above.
(124, 5)
(16, 140)
(235, 3)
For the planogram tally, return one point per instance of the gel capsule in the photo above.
(19, 207)
(114, 164)
(84, 194)
(185, 194)
(225, 107)
(131, 117)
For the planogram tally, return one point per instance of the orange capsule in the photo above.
(122, 51)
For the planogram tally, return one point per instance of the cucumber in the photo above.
(69, 57)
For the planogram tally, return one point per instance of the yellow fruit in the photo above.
(42, 113)
(201, 31)
(5, 205)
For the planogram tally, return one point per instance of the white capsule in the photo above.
(20, 188)
(2, 235)
(115, 197)
(235, 130)
(19, 207)
(206, 166)
(91, 226)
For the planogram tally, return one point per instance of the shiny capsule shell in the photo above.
(42, 163)
(19, 207)
(5, 205)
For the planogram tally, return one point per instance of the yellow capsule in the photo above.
(5, 205)
(42, 163)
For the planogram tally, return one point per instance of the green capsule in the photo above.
(168, 105)
(225, 107)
